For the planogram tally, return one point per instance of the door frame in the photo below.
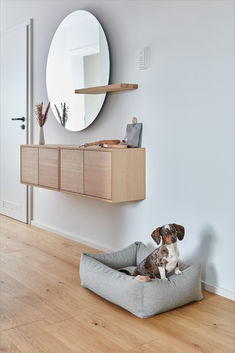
(29, 117)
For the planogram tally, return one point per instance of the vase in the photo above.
(41, 137)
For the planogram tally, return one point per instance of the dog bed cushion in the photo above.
(99, 273)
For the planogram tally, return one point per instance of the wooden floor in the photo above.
(44, 309)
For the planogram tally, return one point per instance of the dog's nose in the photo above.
(173, 239)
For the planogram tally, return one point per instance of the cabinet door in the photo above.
(29, 165)
(48, 167)
(71, 170)
(97, 174)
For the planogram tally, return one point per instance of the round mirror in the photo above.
(78, 58)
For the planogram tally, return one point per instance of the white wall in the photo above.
(185, 100)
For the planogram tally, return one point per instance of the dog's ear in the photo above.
(156, 235)
(180, 231)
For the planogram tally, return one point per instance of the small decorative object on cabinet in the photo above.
(41, 120)
(133, 133)
(108, 174)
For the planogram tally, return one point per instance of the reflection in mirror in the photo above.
(63, 115)
(78, 58)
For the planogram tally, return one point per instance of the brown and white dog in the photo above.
(165, 258)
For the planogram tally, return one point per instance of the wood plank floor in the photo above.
(44, 309)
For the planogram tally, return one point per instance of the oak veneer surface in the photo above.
(71, 170)
(116, 87)
(49, 167)
(44, 309)
(97, 174)
(128, 174)
(29, 165)
(108, 174)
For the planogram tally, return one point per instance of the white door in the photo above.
(15, 104)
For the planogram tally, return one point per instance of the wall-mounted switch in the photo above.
(144, 58)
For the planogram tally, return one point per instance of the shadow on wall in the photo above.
(203, 255)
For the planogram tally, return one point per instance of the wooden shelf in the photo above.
(117, 87)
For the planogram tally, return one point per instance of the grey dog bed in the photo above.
(99, 273)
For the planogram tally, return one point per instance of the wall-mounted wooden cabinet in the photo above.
(112, 175)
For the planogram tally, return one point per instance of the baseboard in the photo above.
(71, 236)
(218, 290)
(209, 287)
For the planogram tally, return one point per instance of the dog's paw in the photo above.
(178, 272)
(143, 278)
(164, 278)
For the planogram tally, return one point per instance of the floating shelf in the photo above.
(117, 87)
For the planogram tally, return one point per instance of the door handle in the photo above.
(22, 119)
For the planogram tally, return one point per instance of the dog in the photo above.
(165, 258)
